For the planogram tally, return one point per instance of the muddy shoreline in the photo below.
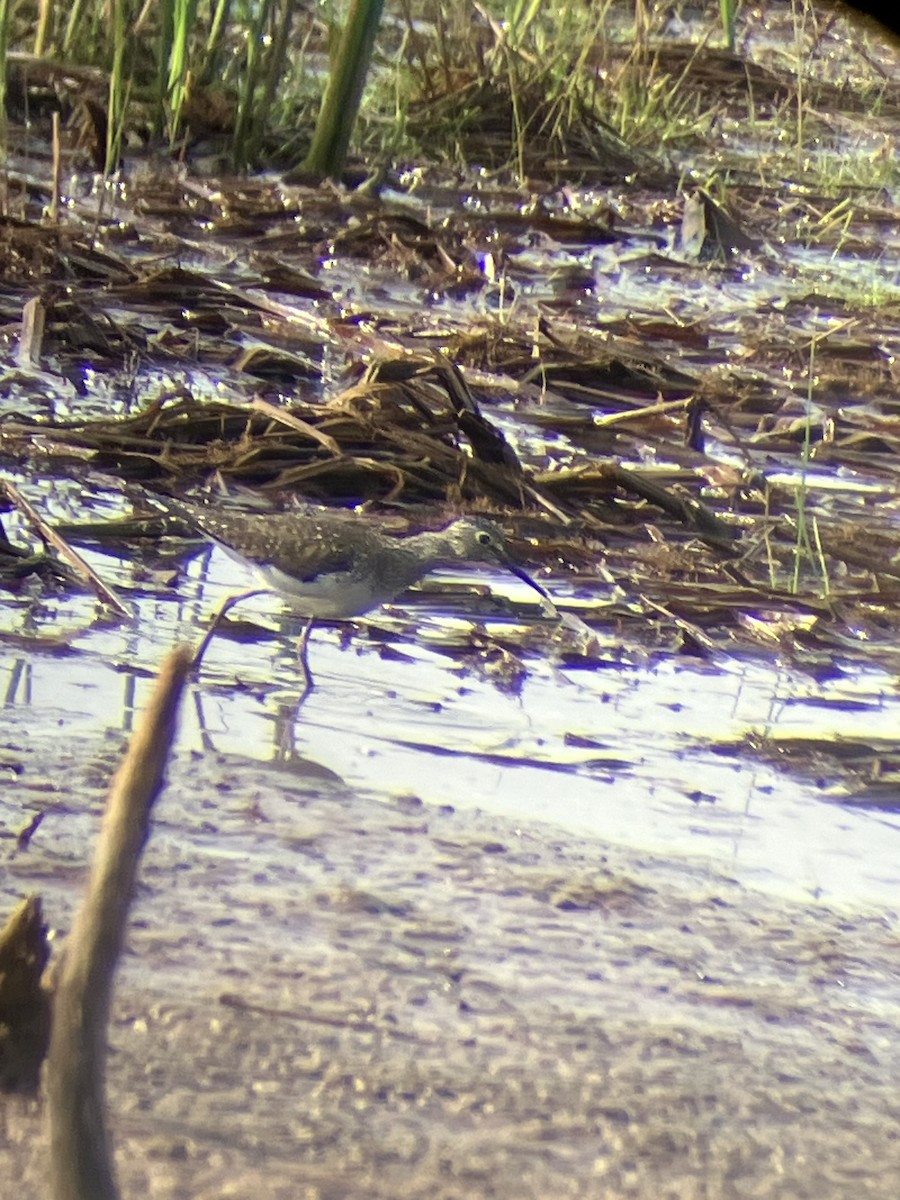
(327, 995)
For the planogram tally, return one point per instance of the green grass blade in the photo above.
(343, 95)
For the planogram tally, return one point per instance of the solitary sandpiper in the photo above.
(333, 565)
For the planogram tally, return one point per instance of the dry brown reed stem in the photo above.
(62, 547)
(81, 1160)
(31, 337)
(57, 171)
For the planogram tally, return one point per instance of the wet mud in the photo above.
(325, 995)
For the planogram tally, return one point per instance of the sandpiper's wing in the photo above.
(302, 545)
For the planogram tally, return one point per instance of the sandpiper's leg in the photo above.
(302, 648)
(227, 603)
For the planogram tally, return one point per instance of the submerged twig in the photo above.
(81, 1164)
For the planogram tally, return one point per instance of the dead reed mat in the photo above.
(81, 1160)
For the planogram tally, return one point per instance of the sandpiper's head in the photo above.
(475, 539)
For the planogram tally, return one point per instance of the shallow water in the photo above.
(656, 756)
